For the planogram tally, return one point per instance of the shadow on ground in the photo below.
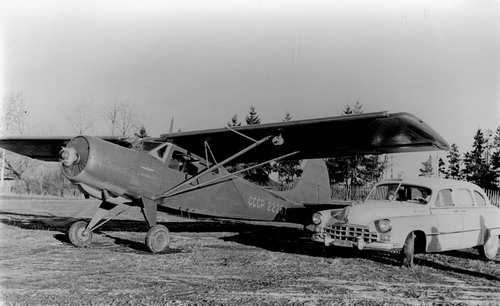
(268, 237)
(54, 223)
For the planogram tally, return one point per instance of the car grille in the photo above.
(351, 232)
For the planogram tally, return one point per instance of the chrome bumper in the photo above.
(359, 242)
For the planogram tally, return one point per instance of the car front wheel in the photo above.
(408, 251)
(490, 248)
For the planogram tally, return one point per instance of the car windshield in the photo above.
(401, 193)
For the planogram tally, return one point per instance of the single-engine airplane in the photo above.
(184, 173)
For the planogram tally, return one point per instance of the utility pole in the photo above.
(2, 172)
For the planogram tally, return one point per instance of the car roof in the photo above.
(433, 183)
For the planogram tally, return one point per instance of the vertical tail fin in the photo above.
(313, 186)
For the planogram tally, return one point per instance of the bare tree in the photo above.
(14, 122)
(122, 119)
(14, 114)
(81, 118)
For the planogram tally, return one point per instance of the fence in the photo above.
(356, 193)
(494, 196)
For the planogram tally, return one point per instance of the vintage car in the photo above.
(417, 215)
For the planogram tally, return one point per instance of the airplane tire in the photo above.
(408, 251)
(490, 249)
(76, 235)
(157, 238)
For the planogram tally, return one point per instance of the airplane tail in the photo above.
(313, 186)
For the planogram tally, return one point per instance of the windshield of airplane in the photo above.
(150, 145)
(401, 193)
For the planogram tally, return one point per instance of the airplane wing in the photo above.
(372, 133)
(43, 148)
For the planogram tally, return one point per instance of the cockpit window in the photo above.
(150, 145)
(184, 163)
(400, 192)
(161, 152)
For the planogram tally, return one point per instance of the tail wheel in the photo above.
(77, 235)
(490, 248)
(408, 251)
(157, 238)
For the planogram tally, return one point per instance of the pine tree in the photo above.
(357, 170)
(252, 117)
(495, 169)
(357, 108)
(234, 121)
(476, 170)
(441, 168)
(495, 157)
(259, 175)
(288, 170)
(427, 169)
(496, 139)
(142, 133)
(454, 163)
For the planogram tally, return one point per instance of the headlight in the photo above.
(384, 225)
(317, 218)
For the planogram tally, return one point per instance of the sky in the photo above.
(204, 61)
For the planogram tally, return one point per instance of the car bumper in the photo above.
(358, 243)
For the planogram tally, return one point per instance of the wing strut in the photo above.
(241, 134)
(101, 212)
(222, 163)
(207, 149)
(170, 194)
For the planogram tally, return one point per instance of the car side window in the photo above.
(479, 199)
(464, 198)
(444, 198)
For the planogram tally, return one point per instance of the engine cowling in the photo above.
(107, 166)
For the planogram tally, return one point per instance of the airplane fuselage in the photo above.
(132, 173)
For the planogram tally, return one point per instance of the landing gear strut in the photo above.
(157, 238)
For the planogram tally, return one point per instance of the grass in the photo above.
(214, 264)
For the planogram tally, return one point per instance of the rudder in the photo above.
(313, 186)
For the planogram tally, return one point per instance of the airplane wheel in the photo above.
(76, 234)
(408, 251)
(490, 249)
(157, 238)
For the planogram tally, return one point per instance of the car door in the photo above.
(477, 219)
(471, 216)
(448, 234)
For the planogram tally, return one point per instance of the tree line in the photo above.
(480, 166)
(36, 177)
(350, 171)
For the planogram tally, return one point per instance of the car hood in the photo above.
(367, 212)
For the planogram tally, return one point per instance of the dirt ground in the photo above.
(215, 263)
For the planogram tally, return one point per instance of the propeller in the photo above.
(75, 156)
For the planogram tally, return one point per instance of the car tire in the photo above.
(408, 251)
(490, 248)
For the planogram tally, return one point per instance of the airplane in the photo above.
(184, 173)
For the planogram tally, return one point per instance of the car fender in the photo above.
(402, 226)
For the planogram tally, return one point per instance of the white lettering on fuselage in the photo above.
(146, 175)
(269, 206)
